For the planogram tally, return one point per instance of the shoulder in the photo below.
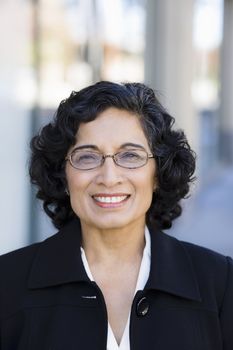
(215, 278)
(214, 271)
(201, 252)
(210, 271)
(206, 259)
(15, 267)
(17, 258)
(18, 262)
(14, 271)
(23, 257)
(203, 259)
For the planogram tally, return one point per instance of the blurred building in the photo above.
(182, 49)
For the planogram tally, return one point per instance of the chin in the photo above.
(107, 223)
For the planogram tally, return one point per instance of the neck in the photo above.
(110, 245)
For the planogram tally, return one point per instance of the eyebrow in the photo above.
(86, 146)
(124, 145)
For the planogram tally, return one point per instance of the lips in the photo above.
(103, 199)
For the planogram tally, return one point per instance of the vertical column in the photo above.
(226, 107)
(14, 123)
(169, 59)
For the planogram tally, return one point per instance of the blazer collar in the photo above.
(171, 267)
(58, 261)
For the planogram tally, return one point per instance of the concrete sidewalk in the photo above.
(207, 218)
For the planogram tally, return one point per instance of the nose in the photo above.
(109, 174)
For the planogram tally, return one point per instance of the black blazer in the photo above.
(47, 301)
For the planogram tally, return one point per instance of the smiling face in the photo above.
(111, 197)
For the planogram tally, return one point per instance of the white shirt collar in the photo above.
(141, 281)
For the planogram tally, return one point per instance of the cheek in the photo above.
(78, 194)
(145, 186)
(75, 187)
(78, 186)
(76, 181)
(149, 180)
(148, 186)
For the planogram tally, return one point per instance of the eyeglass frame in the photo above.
(104, 156)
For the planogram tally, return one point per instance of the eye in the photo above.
(131, 156)
(85, 157)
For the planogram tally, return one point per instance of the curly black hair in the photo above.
(174, 158)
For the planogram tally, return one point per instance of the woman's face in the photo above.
(111, 197)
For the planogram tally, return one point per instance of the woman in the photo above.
(111, 172)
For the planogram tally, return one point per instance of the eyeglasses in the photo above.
(87, 160)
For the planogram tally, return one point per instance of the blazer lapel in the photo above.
(58, 259)
(171, 267)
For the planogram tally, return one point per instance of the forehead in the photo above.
(113, 127)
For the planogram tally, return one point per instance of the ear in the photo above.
(155, 187)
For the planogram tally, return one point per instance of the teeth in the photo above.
(116, 199)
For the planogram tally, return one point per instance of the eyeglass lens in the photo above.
(82, 159)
